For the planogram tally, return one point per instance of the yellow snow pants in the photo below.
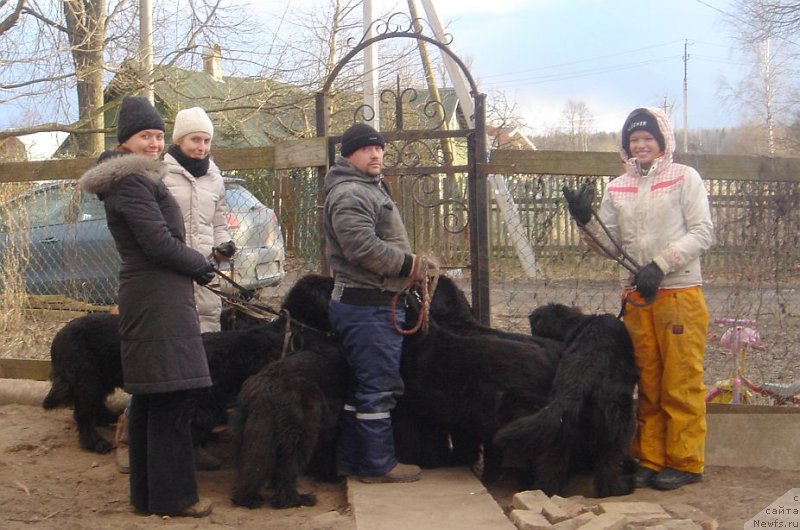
(669, 340)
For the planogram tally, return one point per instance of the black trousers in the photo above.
(162, 476)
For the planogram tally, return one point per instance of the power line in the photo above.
(589, 60)
(582, 73)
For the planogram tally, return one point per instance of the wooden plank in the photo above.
(505, 161)
(44, 170)
(509, 161)
(37, 370)
(310, 152)
(245, 158)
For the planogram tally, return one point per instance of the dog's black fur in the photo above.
(465, 385)
(86, 366)
(284, 425)
(451, 310)
(423, 438)
(589, 420)
(554, 320)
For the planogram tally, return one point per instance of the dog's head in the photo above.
(449, 303)
(307, 301)
(554, 320)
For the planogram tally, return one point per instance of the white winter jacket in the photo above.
(662, 216)
(203, 204)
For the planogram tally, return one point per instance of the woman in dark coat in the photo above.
(163, 359)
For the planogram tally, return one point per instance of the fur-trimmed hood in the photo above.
(101, 177)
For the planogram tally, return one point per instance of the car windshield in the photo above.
(239, 198)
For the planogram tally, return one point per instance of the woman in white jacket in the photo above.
(195, 182)
(658, 212)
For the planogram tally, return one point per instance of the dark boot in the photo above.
(670, 479)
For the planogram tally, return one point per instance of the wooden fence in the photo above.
(753, 198)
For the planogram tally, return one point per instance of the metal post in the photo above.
(146, 47)
(479, 215)
(370, 80)
(322, 131)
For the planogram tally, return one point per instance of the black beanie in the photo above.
(136, 114)
(641, 120)
(358, 136)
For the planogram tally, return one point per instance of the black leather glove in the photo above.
(205, 276)
(225, 250)
(647, 281)
(579, 203)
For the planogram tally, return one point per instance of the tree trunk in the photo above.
(86, 26)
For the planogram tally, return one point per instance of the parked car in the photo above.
(55, 236)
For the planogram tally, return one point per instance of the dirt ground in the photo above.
(46, 481)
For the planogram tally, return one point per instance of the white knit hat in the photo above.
(192, 120)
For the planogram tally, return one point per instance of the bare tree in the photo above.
(507, 127)
(578, 121)
(9, 20)
(764, 19)
(767, 31)
(766, 94)
(58, 55)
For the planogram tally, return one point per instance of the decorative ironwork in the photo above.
(439, 172)
(402, 23)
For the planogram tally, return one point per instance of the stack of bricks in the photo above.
(534, 510)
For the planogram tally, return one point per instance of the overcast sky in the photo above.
(614, 55)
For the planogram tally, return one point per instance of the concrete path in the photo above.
(444, 499)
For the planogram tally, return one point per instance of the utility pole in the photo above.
(146, 47)
(503, 197)
(370, 79)
(686, 96)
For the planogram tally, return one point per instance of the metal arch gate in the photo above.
(422, 167)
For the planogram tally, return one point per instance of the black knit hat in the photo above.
(641, 120)
(358, 136)
(136, 114)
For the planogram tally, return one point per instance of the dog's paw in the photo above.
(248, 500)
(293, 500)
(97, 444)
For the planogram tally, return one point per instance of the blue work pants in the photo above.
(372, 347)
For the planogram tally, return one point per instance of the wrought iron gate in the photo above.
(434, 164)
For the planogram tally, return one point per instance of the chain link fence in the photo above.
(55, 242)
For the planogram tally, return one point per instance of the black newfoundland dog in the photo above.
(589, 421)
(464, 381)
(86, 366)
(284, 426)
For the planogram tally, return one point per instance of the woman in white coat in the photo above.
(195, 182)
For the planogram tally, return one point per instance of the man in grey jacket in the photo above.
(369, 252)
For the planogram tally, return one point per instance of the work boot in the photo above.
(671, 479)
(205, 461)
(122, 458)
(202, 508)
(643, 477)
(399, 473)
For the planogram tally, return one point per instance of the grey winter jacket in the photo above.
(365, 239)
(162, 350)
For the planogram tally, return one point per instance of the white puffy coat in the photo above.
(202, 202)
(662, 216)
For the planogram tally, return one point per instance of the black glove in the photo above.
(225, 250)
(206, 274)
(580, 203)
(647, 281)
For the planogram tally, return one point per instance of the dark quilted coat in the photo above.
(162, 350)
